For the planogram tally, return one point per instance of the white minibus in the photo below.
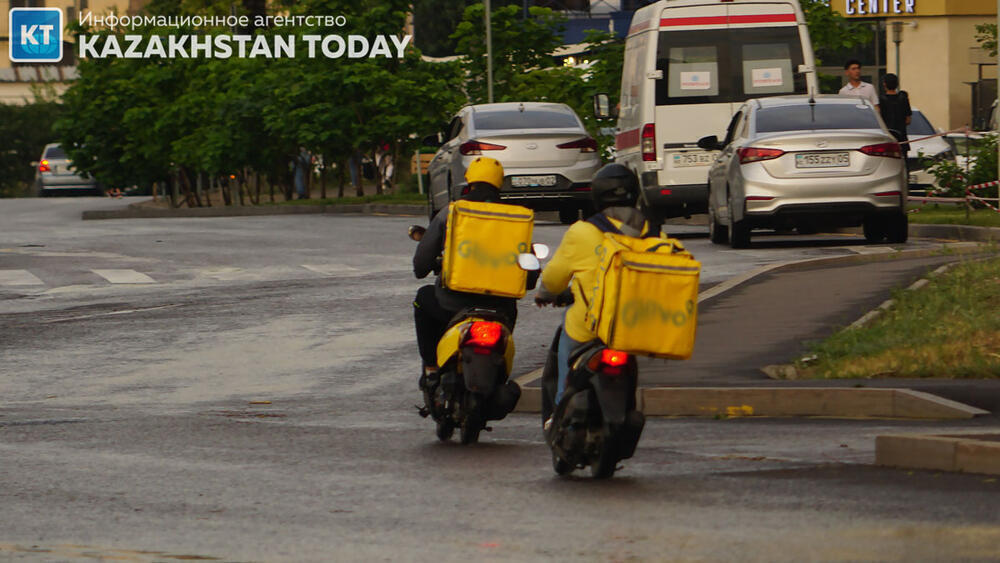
(689, 64)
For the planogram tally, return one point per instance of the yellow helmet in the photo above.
(485, 169)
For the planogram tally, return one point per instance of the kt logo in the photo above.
(36, 35)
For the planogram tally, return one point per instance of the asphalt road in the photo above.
(253, 399)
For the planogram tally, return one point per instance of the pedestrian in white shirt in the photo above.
(855, 87)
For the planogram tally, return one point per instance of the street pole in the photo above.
(489, 53)
(897, 38)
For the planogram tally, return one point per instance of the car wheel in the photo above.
(739, 234)
(874, 229)
(718, 234)
(568, 215)
(897, 228)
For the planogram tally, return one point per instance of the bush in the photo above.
(24, 132)
(952, 179)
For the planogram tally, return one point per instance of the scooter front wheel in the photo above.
(469, 432)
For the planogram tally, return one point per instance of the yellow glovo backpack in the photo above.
(645, 300)
(481, 245)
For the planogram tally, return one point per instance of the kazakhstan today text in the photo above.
(241, 46)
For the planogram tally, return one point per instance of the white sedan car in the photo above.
(809, 164)
(547, 155)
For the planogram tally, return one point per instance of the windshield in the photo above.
(808, 117)
(728, 65)
(919, 126)
(527, 119)
(55, 152)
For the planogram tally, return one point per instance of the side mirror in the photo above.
(710, 143)
(540, 250)
(416, 232)
(432, 140)
(528, 262)
(602, 106)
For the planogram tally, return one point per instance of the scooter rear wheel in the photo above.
(445, 429)
(604, 466)
(560, 466)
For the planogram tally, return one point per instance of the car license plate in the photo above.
(533, 181)
(822, 159)
(686, 159)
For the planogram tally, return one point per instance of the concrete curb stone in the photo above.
(137, 211)
(962, 453)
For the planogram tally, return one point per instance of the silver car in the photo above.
(55, 174)
(809, 164)
(925, 151)
(547, 155)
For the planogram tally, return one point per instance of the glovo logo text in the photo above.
(483, 257)
(640, 311)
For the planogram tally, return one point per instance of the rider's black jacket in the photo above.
(425, 260)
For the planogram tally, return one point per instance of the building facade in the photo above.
(933, 45)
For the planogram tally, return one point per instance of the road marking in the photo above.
(19, 277)
(124, 276)
(330, 269)
(109, 314)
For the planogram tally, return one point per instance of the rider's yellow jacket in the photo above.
(574, 264)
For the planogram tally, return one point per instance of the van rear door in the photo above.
(713, 58)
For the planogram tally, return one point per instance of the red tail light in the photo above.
(477, 147)
(483, 336)
(753, 154)
(585, 144)
(890, 150)
(649, 142)
(43, 166)
(609, 362)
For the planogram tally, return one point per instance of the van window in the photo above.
(728, 65)
(807, 117)
(527, 119)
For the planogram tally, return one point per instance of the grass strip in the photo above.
(950, 328)
(937, 214)
(407, 198)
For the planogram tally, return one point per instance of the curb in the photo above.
(969, 453)
(830, 402)
(134, 211)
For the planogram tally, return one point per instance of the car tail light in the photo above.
(754, 154)
(483, 336)
(609, 362)
(895, 193)
(477, 147)
(891, 150)
(43, 166)
(585, 144)
(649, 142)
(581, 189)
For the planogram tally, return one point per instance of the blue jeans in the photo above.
(566, 345)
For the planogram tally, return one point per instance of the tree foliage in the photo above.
(830, 31)
(24, 132)
(986, 36)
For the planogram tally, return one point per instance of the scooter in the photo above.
(472, 385)
(595, 423)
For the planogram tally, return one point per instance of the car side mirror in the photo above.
(710, 143)
(602, 106)
(432, 140)
(416, 232)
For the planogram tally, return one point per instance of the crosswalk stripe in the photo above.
(124, 276)
(329, 269)
(19, 277)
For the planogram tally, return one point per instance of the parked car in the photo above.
(55, 174)
(547, 155)
(809, 164)
(933, 149)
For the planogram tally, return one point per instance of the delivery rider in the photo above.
(435, 305)
(615, 190)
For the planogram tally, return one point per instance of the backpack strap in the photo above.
(604, 224)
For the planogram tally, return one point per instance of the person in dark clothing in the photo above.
(894, 106)
(435, 305)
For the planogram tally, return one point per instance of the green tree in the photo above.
(830, 31)
(986, 36)
(24, 132)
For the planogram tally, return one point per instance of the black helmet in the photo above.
(614, 185)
